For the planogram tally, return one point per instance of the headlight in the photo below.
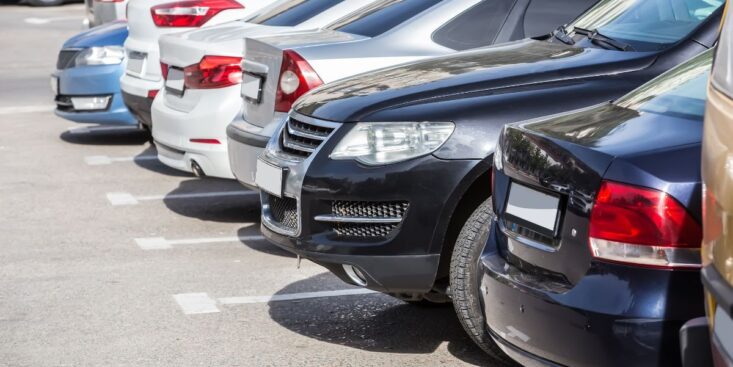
(107, 55)
(375, 143)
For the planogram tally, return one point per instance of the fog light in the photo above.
(90, 103)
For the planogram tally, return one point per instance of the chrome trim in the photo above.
(274, 226)
(524, 240)
(297, 146)
(297, 132)
(313, 121)
(342, 219)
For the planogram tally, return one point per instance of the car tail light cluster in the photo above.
(210, 73)
(297, 77)
(190, 13)
(641, 226)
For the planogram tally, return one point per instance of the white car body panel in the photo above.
(205, 113)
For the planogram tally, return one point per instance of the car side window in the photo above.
(381, 16)
(293, 13)
(543, 16)
(475, 27)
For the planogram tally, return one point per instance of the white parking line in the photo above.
(87, 130)
(38, 21)
(25, 109)
(124, 198)
(161, 243)
(100, 160)
(199, 303)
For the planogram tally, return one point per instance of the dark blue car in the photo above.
(592, 257)
(86, 82)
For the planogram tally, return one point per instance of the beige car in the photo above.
(715, 333)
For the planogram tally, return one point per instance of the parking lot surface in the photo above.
(108, 258)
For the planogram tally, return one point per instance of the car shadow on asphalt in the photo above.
(373, 322)
(226, 209)
(260, 245)
(103, 135)
(147, 159)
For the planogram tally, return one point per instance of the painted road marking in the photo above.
(161, 243)
(199, 303)
(100, 160)
(25, 109)
(87, 130)
(39, 21)
(124, 198)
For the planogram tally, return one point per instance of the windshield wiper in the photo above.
(602, 40)
(562, 35)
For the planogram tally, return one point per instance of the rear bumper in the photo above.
(614, 316)
(140, 107)
(208, 119)
(88, 81)
(246, 142)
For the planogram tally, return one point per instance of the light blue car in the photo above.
(86, 83)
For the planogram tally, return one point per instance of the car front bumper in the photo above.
(615, 315)
(246, 142)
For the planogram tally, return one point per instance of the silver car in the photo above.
(99, 12)
(279, 69)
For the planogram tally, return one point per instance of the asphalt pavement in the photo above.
(108, 258)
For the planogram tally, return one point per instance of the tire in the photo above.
(45, 2)
(464, 280)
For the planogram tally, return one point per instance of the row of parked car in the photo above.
(535, 162)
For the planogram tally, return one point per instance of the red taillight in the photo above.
(297, 77)
(205, 141)
(164, 70)
(214, 72)
(190, 13)
(641, 226)
(153, 93)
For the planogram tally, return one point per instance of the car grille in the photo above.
(67, 59)
(366, 219)
(284, 211)
(300, 138)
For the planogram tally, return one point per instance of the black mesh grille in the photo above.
(388, 209)
(364, 229)
(67, 59)
(284, 211)
(301, 139)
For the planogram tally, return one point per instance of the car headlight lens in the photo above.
(107, 55)
(377, 143)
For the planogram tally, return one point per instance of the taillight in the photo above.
(190, 13)
(153, 93)
(164, 70)
(213, 72)
(641, 226)
(297, 77)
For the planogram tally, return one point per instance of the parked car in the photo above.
(374, 176)
(49, 2)
(193, 110)
(701, 336)
(86, 82)
(104, 11)
(148, 20)
(596, 229)
(280, 69)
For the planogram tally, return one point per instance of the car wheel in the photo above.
(45, 2)
(464, 280)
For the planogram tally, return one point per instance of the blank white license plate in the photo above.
(269, 178)
(55, 85)
(533, 206)
(252, 87)
(135, 61)
(175, 83)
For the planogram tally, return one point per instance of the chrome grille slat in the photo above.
(301, 135)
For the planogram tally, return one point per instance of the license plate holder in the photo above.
(534, 209)
(136, 61)
(252, 87)
(174, 84)
(270, 178)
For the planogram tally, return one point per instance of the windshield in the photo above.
(646, 24)
(381, 16)
(292, 12)
(679, 92)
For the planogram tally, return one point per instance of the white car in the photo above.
(202, 71)
(147, 21)
(104, 11)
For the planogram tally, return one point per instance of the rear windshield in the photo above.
(291, 13)
(381, 16)
(647, 24)
(680, 92)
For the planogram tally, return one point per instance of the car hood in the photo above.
(523, 64)
(110, 34)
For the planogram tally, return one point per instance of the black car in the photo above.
(374, 176)
(596, 229)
